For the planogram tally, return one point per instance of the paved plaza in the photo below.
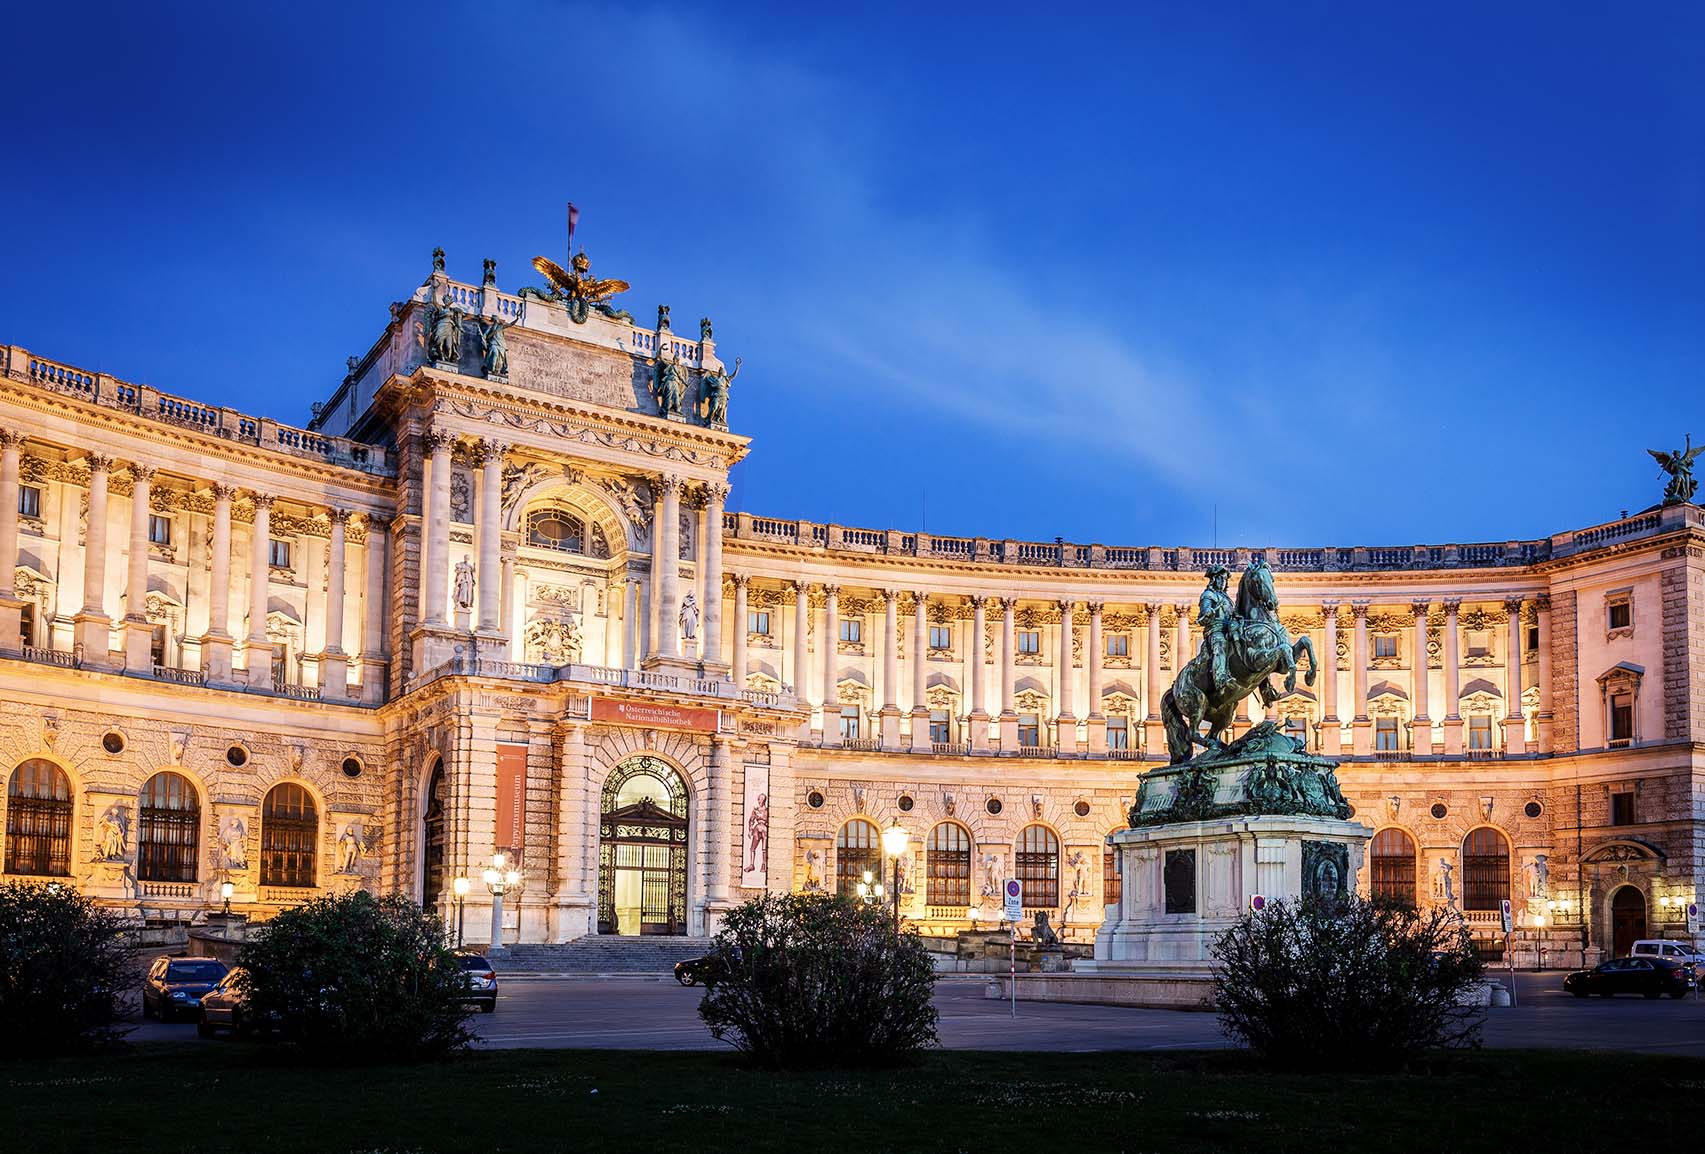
(656, 1014)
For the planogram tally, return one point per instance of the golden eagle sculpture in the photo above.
(579, 291)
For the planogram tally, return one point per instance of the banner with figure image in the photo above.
(755, 828)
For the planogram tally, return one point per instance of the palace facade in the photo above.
(433, 624)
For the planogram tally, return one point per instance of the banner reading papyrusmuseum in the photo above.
(511, 797)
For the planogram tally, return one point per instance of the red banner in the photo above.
(511, 797)
(653, 715)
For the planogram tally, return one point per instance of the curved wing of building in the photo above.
(431, 625)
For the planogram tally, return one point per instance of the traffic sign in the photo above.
(1504, 909)
(1692, 917)
(1014, 900)
(1257, 902)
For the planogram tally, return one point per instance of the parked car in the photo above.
(175, 986)
(700, 971)
(1682, 952)
(226, 1006)
(482, 982)
(1653, 977)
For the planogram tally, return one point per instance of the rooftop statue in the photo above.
(579, 291)
(669, 384)
(1243, 644)
(494, 350)
(1679, 466)
(716, 385)
(444, 326)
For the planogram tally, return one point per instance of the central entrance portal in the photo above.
(642, 849)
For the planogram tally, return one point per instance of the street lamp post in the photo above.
(895, 839)
(460, 886)
(225, 889)
(499, 879)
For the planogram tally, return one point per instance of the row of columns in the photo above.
(92, 624)
(1066, 719)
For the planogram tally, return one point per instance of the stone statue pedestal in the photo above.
(463, 619)
(11, 625)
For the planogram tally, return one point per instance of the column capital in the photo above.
(1451, 604)
(11, 438)
(143, 474)
(979, 600)
(891, 596)
(224, 492)
(437, 441)
(716, 492)
(1542, 602)
(663, 483)
(1359, 609)
(262, 500)
(1329, 604)
(800, 587)
(1153, 608)
(1421, 607)
(1068, 609)
(99, 462)
(832, 592)
(1095, 609)
(489, 450)
(1512, 605)
(1007, 604)
(741, 580)
(339, 516)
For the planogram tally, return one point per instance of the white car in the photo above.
(1675, 951)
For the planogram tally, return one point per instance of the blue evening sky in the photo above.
(1332, 273)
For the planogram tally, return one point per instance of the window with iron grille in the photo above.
(289, 836)
(1112, 881)
(948, 866)
(857, 849)
(1485, 869)
(1622, 808)
(1039, 867)
(38, 820)
(1393, 866)
(1118, 733)
(554, 529)
(1619, 614)
(168, 830)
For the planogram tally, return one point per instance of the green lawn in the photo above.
(238, 1098)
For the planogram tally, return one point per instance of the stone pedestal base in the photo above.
(434, 644)
(1065, 733)
(1008, 723)
(257, 663)
(93, 639)
(216, 658)
(1453, 737)
(138, 646)
(1096, 733)
(1186, 883)
(334, 675)
(685, 666)
(978, 725)
(11, 625)
(888, 727)
(1361, 736)
(920, 731)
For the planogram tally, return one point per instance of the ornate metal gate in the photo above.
(644, 844)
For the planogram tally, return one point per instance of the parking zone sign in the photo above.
(1692, 918)
(1014, 900)
(1504, 909)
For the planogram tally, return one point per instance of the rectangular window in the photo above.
(1118, 733)
(1533, 639)
(940, 729)
(1622, 717)
(1385, 734)
(1118, 645)
(1620, 615)
(1479, 643)
(758, 621)
(1029, 730)
(29, 624)
(849, 723)
(852, 629)
(1030, 641)
(1298, 728)
(278, 554)
(159, 529)
(280, 665)
(1480, 732)
(1622, 808)
(29, 501)
(941, 637)
(1385, 645)
(157, 644)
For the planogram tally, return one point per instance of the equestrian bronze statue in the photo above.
(1240, 651)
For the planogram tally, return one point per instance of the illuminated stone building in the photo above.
(430, 624)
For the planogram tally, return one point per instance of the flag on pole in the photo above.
(573, 219)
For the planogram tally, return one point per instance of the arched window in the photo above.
(1039, 867)
(555, 529)
(168, 829)
(949, 866)
(1112, 881)
(432, 859)
(1485, 869)
(858, 847)
(38, 820)
(289, 833)
(1393, 865)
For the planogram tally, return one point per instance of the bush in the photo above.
(1346, 981)
(809, 980)
(358, 978)
(62, 960)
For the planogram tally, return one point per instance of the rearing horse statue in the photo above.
(1259, 647)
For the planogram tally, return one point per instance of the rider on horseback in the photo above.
(1214, 615)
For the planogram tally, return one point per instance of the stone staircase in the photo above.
(597, 954)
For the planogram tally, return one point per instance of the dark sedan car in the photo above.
(226, 1006)
(703, 971)
(1652, 977)
(175, 986)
